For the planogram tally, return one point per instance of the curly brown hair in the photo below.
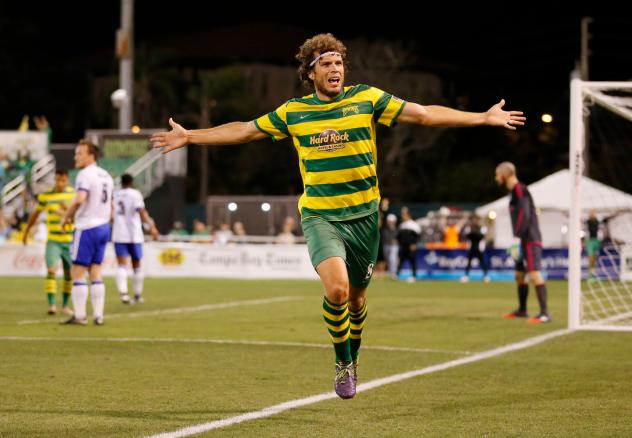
(321, 43)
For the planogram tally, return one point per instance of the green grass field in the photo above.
(180, 360)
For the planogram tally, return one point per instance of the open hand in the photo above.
(41, 122)
(169, 141)
(495, 116)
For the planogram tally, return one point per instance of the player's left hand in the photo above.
(495, 116)
(172, 140)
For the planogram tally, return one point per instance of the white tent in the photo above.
(552, 200)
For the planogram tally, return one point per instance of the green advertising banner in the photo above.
(124, 146)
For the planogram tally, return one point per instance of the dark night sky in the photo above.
(525, 57)
(50, 54)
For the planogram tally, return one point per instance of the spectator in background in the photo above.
(381, 220)
(4, 168)
(385, 205)
(407, 236)
(178, 229)
(592, 243)
(22, 166)
(23, 163)
(287, 232)
(5, 229)
(431, 232)
(199, 228)
(223, 235)
(451, 235)
(607, 239)
(489, 233)
(239, 232)
(474, 235)
(201, 233)
(390, 246)
(18, 213)
(42, 125)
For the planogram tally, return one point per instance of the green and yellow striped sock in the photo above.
(67, 289)
(337, 320)
(356, 320)
(50, 286)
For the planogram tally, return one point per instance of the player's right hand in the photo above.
(65, 222)
(169, 141)
(154, 232)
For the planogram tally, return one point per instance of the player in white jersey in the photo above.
(93, 208)
(127, 234)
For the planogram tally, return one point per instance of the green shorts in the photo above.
(592, 247)
(357, 241)
(55, 251)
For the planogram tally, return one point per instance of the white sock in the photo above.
(139, 278)
(79, 298)
(97, 293)
(121, 279)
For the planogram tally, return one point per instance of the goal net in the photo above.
(600, 217)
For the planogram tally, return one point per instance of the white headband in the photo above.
(322, 55)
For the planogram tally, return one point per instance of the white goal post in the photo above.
(600, 296)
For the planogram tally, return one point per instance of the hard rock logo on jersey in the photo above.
(329, 140)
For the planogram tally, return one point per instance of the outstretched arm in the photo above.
(436, 115)
(230, 133)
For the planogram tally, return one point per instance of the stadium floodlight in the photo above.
(600, 278)
(265, 206)
(232, 206)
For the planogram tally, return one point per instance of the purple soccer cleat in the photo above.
(344, 383)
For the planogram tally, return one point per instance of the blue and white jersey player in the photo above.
(128, 215)
(91, 211)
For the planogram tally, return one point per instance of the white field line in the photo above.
(225, 342)
(293, 404)
(178, 310)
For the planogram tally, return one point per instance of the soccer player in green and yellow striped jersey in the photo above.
(55, 202)
(333, 132)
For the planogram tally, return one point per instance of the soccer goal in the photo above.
(600, 217)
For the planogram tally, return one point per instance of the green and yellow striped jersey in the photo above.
(51, 202)
(336, 146)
